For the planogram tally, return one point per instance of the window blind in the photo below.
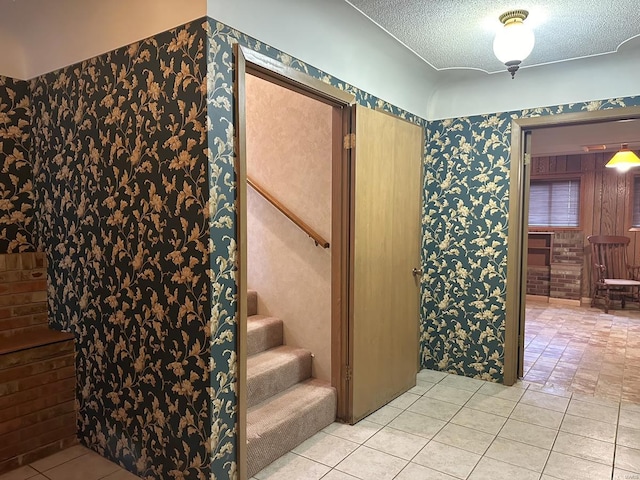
(636, 202)
(555, 203)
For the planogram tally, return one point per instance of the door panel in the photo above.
(386, 247)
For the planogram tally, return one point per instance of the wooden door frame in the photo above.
(517, 238)
(250, 62)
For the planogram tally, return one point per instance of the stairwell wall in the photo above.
(289, 152)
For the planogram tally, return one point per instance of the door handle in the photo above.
(417, 271)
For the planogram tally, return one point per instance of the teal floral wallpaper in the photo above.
(121, 189)
(465, 223)
(16, 185)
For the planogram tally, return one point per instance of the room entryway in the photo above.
(356, 328)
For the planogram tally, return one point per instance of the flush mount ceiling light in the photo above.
(624, 159)
(514, 41)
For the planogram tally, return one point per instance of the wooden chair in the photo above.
(612, 275)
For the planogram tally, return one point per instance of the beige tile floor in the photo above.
(446, 428)
(583, 350)
(575, 416)
(451, 427)
(74, 463)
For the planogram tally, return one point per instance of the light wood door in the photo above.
(386, 247)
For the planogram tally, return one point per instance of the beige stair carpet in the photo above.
(263, 333)
(286, 420)
(286, 406)
(275, 370)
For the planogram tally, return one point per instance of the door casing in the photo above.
(250, 62)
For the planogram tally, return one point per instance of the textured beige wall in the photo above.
(289, 153)
(46, 35)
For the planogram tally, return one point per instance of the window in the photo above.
(635, 220)
(555, 203)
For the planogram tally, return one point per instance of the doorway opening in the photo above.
(373, 230)
(526, 247)
(292, 184)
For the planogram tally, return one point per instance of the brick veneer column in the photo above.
(567, 255)
(538, 278)
(37, 367)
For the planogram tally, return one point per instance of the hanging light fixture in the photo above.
(514, 41)
(624, 159)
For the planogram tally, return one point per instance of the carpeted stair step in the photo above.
(284, 421)
(263, 333)
(275, 370)
(252, 303)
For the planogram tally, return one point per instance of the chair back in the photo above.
(609, 256)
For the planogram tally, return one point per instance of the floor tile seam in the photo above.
(553, 443)
(476, 429)
(615, 448)
(630, 428)
(429, 416)
(42, 472)
(311, 459)
(490, 413)
(407, 465)
(586, 459)
(550, 409)
(425, 446)
(586, 436)
(557, 431)
(353, 441)
(462, 448)
(410, 433)
(434, 468)
(536, 406)
(507, 460)
(440, 400)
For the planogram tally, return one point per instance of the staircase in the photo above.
(285, 404)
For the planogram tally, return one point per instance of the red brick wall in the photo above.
(567, 257)
(37, 367)
(538, 280)
(23, 294)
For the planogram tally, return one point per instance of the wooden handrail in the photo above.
(317, 238)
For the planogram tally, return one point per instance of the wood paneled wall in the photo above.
(605, 199)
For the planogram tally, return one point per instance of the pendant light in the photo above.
(624, 159)
(514, 41)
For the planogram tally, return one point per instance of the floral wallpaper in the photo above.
(121, 188)
(16, 186)
(465, 223)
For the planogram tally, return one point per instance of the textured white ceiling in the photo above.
(450, 34)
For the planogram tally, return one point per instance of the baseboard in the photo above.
(537, 298)
(564, 301)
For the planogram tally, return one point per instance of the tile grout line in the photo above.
(555, 439)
